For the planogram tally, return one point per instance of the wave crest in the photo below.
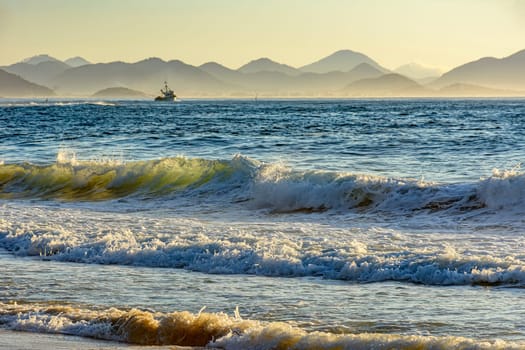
(275, 187)
(504, 189)
(214, 330)
(221, 250)
(70, 179)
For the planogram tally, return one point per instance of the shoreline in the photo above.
(20, 340)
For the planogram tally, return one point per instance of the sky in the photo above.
(435, 33)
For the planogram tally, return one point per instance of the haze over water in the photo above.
(334, 223)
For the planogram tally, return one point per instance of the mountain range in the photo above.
(344, 73)
(12, 85)
(503, 73)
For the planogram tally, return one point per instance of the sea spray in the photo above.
(505, 189)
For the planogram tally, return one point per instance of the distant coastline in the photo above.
(120, 92)
(343, 74)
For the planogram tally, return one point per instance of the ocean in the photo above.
(278, 224)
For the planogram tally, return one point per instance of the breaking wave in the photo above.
(355, 255)
(70, 179)
(214, 330)
(275, 187)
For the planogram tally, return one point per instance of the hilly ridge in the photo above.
(386, 85)
(499, 73)
(343, 73)
(39, 59)
(120, 92)
(76, 61)
(12, 85)
(342, 61)
(146, 75)
(40, 73)
(267, 65)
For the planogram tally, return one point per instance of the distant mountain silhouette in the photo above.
(504, 73)
(386, 85)
(222, 73)
(268, 81)
(249, 79)
(43, 69)
(342, 61)
(267, 65)
(147, 75)
(76, 61)
(39, 59)
(364, 71)
(41, 73)
(469, 90)
(343, 73)
(332, 82)
(417, 71)
(12, 85)
(120, 92)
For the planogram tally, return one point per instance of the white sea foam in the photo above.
(103, 103)
(212, 245)
(66, 156)
(284, 189)
(505, 189)
(367, 254)
(215, 330)
(283, 336)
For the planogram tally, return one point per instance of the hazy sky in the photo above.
(440, 33)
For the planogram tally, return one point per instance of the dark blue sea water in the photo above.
(445, 140)
(312, 223)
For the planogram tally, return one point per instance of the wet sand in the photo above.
(11, 340)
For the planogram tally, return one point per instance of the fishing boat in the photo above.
(167, 94)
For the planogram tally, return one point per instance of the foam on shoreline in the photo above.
(212, 330)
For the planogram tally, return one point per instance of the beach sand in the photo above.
(11, 340)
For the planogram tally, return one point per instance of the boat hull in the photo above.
(164, 99)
